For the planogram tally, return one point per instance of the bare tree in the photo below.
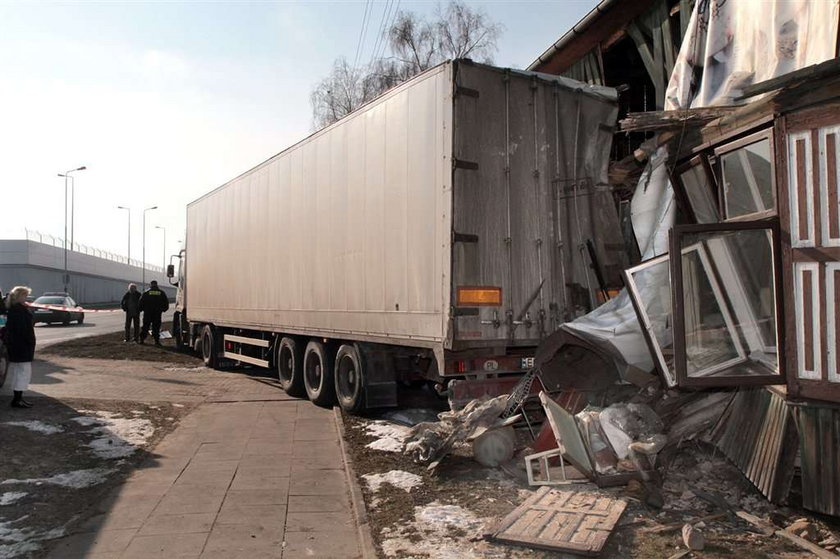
(463, 32)
(416, 44)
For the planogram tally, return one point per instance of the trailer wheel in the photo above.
(318, 374)
(290, 367)
(208, 347)
(349, 379)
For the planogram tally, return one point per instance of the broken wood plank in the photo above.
(674, 526)
(663, 120)
(801, 542)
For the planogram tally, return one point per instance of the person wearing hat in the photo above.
(153, 303)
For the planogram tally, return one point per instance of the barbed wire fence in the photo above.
(52, 240)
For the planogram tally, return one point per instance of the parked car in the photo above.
(49, 316)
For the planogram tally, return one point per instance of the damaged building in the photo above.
(727, 156)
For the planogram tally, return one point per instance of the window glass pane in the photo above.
(729, 303)
(650, 286)
(748, 179)
(695, 182)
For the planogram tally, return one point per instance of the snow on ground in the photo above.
(397, 478)
(11, 497)
(37, 426)
(389, 436)
(118, 436)
(77, 479)
(19, 541)
(444, 531)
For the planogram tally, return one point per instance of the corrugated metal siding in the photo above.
(757, 434)
(819, 435)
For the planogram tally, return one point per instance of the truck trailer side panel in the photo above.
(345, 234)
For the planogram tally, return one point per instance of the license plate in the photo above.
(527, 363)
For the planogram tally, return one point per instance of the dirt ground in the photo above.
(61, 458)
(111, 346)
(447, 514)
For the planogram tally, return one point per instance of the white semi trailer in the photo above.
(440, 231)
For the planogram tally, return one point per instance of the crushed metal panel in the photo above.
(757, 434)
(572, 521)
(819, 432)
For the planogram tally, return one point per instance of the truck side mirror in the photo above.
(170, 271)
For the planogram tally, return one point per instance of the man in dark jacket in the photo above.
(153, 303)
(131, 306)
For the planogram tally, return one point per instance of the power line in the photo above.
(391, 18)
(381, 30)
(365, 20)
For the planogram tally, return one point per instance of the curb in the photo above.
(357, 501)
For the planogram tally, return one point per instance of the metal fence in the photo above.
(52, 240)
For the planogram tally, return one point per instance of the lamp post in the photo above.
(129, 231)
(66, 175)
(144, 244)
(164, 244)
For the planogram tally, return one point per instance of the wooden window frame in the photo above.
(722, 149)
(678, 308)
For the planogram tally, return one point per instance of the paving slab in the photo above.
(233, 480)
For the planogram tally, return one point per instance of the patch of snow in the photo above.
(397, 478)
(389, 436)
(11, 497)
(37, 426)
(434, 524)
(15, 542)
(189, 369)
(77, 479)
(118, 436)
(177, 405)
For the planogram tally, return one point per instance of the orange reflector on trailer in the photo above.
(479, 296)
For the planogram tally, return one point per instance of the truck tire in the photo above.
(349, 379)
(290, 367)
(209, 349)
(318, 374)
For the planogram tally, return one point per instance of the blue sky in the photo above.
(166, 101)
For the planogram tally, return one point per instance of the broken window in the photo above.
(696, 183)
(746, 173)
(649, 287)
(725, 287)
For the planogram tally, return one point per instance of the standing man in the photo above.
(153, 303)
(131, 306)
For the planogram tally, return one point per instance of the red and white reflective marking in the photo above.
(74, 309)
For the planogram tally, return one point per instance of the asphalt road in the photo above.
(94, 325)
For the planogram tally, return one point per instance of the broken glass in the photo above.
(747, 179)
(698, 190)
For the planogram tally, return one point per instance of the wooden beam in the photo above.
(816, 71)
(663, 120)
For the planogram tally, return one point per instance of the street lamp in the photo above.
(66, 175)
(164, 244)
(144, 244)
(129, 231)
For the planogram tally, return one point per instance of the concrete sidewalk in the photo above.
(236, 479)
